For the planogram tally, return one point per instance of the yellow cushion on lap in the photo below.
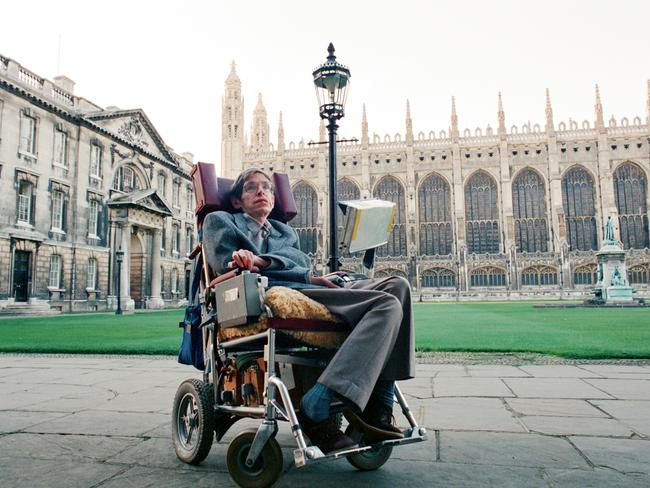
(288, 303)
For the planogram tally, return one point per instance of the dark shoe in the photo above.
(325, 435)
(376, 423)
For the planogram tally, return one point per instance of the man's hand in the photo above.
(322, 281)
(244, 259)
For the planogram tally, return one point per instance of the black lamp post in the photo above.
(119, 256)
(332, 81)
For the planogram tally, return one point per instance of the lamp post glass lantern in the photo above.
(119, 257)
(332, 81)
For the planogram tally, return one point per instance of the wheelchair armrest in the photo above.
(224, 277)
(195, 252)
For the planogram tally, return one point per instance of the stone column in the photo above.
(127, 304)
(155, 301)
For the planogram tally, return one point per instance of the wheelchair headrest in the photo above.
(212, 193)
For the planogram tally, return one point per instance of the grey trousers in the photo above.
(381, 344)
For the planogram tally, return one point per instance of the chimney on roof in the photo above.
(64, 83)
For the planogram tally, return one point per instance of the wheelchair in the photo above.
(258, 376)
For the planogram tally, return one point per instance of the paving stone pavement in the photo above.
(90, 421)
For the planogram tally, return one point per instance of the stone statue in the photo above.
(617, 279)
(609, 231)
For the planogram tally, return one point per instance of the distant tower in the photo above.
(232, 126)
(260, 128)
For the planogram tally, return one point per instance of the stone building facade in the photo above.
(485, 213)
(77, 183)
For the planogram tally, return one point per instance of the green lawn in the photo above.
(519, 327)
(479, 327)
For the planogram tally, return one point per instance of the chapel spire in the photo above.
(454, 119)
(598, 109)
(501, 117)
(280, 134)
(550, 127)
(409, 124)
(260, 127)
(364, 128)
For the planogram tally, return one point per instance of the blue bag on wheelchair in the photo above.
(191, 351)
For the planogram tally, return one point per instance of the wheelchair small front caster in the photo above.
(264, 472)
(367, 460)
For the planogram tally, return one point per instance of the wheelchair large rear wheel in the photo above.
(368, 460)
(193, 421)
(264, 472)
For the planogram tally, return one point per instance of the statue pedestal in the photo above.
(619, 294)
(612, 286)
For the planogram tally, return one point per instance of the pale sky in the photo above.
(171, 58)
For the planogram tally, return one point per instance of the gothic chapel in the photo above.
(481, 214)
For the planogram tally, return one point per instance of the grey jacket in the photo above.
(224, 233)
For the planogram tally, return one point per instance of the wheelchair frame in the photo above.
(254, 458)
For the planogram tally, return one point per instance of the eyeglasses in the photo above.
(253, 187)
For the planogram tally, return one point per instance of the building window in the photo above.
(60, 148)
(175, 237)
(174, 278)
(585, 275)
(631, 195)
(579, 209)
(346, 190)
(539, 276)
(389, 188)
(27, 134)
(57, 210)
(95, 161)
(529, 206)
(93, 220)
(162, 182)
(488, 276)
(438, 278)
(125, 180)
(189, 199)
(434, 211)
(55, 271)
(305, 222)
(163, 241)
(91, 275)
(24, 213)
(162, 279)
(639, 275)
(388, 272)
(482, 215)
(188, 239)
(176, 194)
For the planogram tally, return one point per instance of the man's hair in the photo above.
(237, 187)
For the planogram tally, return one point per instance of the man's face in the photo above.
(257, 198)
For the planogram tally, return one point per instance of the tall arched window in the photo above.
(385, 273)
(389, 188)
(126, 179)
(434, 210)
(639, 274)
(579, 209)
(631, 195)
(585, 275)
(529, 206)
(539, 276)
(438, 278)
(345, 190)
(305, 221)
(488, 276)
(481, 214)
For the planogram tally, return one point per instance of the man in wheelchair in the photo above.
(380, 347)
